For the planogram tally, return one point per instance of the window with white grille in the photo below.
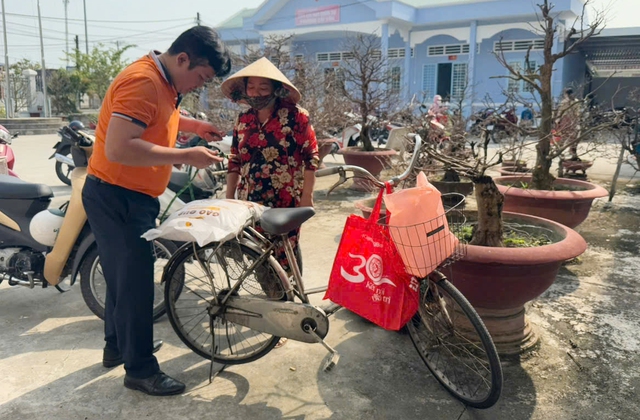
(520, 45)
(518, 86)
(320, 57)
(396, 79)
(531, 69)
(514, 85)
(396, 53)
(459, 80)
(429, 80)
(453, 49)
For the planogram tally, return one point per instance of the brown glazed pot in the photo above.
(569, 208)
(324, 148)
(374, 162)
(499, 281)
(513, 171)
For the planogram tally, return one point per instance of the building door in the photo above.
(444, 80)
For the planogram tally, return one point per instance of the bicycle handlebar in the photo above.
(358, 171)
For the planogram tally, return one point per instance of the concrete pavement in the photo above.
(585, 368)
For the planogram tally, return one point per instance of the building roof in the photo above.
(235, 21)
(615, 50)
(421, 4)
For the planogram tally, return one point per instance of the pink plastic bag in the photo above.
(419, 227)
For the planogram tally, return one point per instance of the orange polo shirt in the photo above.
(143, 94)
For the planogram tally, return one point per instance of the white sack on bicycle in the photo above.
(206, 221)
(419, 227)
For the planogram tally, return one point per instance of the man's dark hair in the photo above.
(203, 46)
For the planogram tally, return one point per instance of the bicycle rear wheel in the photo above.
(190, 291)
(455, 344)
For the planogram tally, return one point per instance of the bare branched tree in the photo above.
(539, 80)
(327, 112)
(366, 81)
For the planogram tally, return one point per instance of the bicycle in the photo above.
(231, 302)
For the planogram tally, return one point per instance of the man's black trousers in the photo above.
(118, 217)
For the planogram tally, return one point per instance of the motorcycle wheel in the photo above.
(94, 287)
(63, 171)
(65, 284)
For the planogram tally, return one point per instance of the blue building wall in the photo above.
(350, 12)
(398, 22)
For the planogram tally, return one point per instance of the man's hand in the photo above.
(209, 132)
(201, 157)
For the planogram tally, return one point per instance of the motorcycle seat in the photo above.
(15, 188)
(178, 180)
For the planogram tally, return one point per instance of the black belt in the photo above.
(98, 180)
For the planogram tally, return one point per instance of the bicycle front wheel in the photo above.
(196, 276)
(455, 344)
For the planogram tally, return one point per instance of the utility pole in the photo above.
(77, 40)
(198, 18)
(86, 33)
(47, 111)
(66, 28)
(7, 93)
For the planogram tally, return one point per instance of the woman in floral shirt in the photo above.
(274, 153)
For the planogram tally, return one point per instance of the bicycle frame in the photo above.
(267, 246)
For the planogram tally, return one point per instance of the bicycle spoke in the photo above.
(205, 277)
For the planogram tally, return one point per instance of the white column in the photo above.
(384, 49)
(407, 67)
(471, 70)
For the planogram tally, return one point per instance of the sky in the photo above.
(154, 24)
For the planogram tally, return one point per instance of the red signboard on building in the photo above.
(318, 15)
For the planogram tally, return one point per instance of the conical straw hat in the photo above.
(261, 68)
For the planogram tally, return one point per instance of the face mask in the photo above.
(259, 102)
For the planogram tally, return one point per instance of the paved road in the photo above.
(50, 350)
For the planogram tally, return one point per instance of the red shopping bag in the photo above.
(368, 276)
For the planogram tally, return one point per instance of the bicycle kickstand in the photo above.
(332, 358)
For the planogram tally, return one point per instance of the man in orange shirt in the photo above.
(130, 167)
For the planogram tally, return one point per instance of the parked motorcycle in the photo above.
(62, 154)
(92, 283)
(7, 157)
(498, 126)
(42, 246)
(205, 182)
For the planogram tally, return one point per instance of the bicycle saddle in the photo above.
(281, 221)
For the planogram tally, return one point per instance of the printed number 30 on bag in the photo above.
(373, 267)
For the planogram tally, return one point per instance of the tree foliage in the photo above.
(97, 69)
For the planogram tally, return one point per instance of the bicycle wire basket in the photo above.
(435, 243)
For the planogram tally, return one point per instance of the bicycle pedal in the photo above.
(330, 361)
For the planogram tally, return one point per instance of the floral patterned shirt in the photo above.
(271, 157)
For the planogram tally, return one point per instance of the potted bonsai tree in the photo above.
(497, 277)
(560, 128)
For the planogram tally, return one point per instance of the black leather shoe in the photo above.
(111, 359)
(159, 384)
